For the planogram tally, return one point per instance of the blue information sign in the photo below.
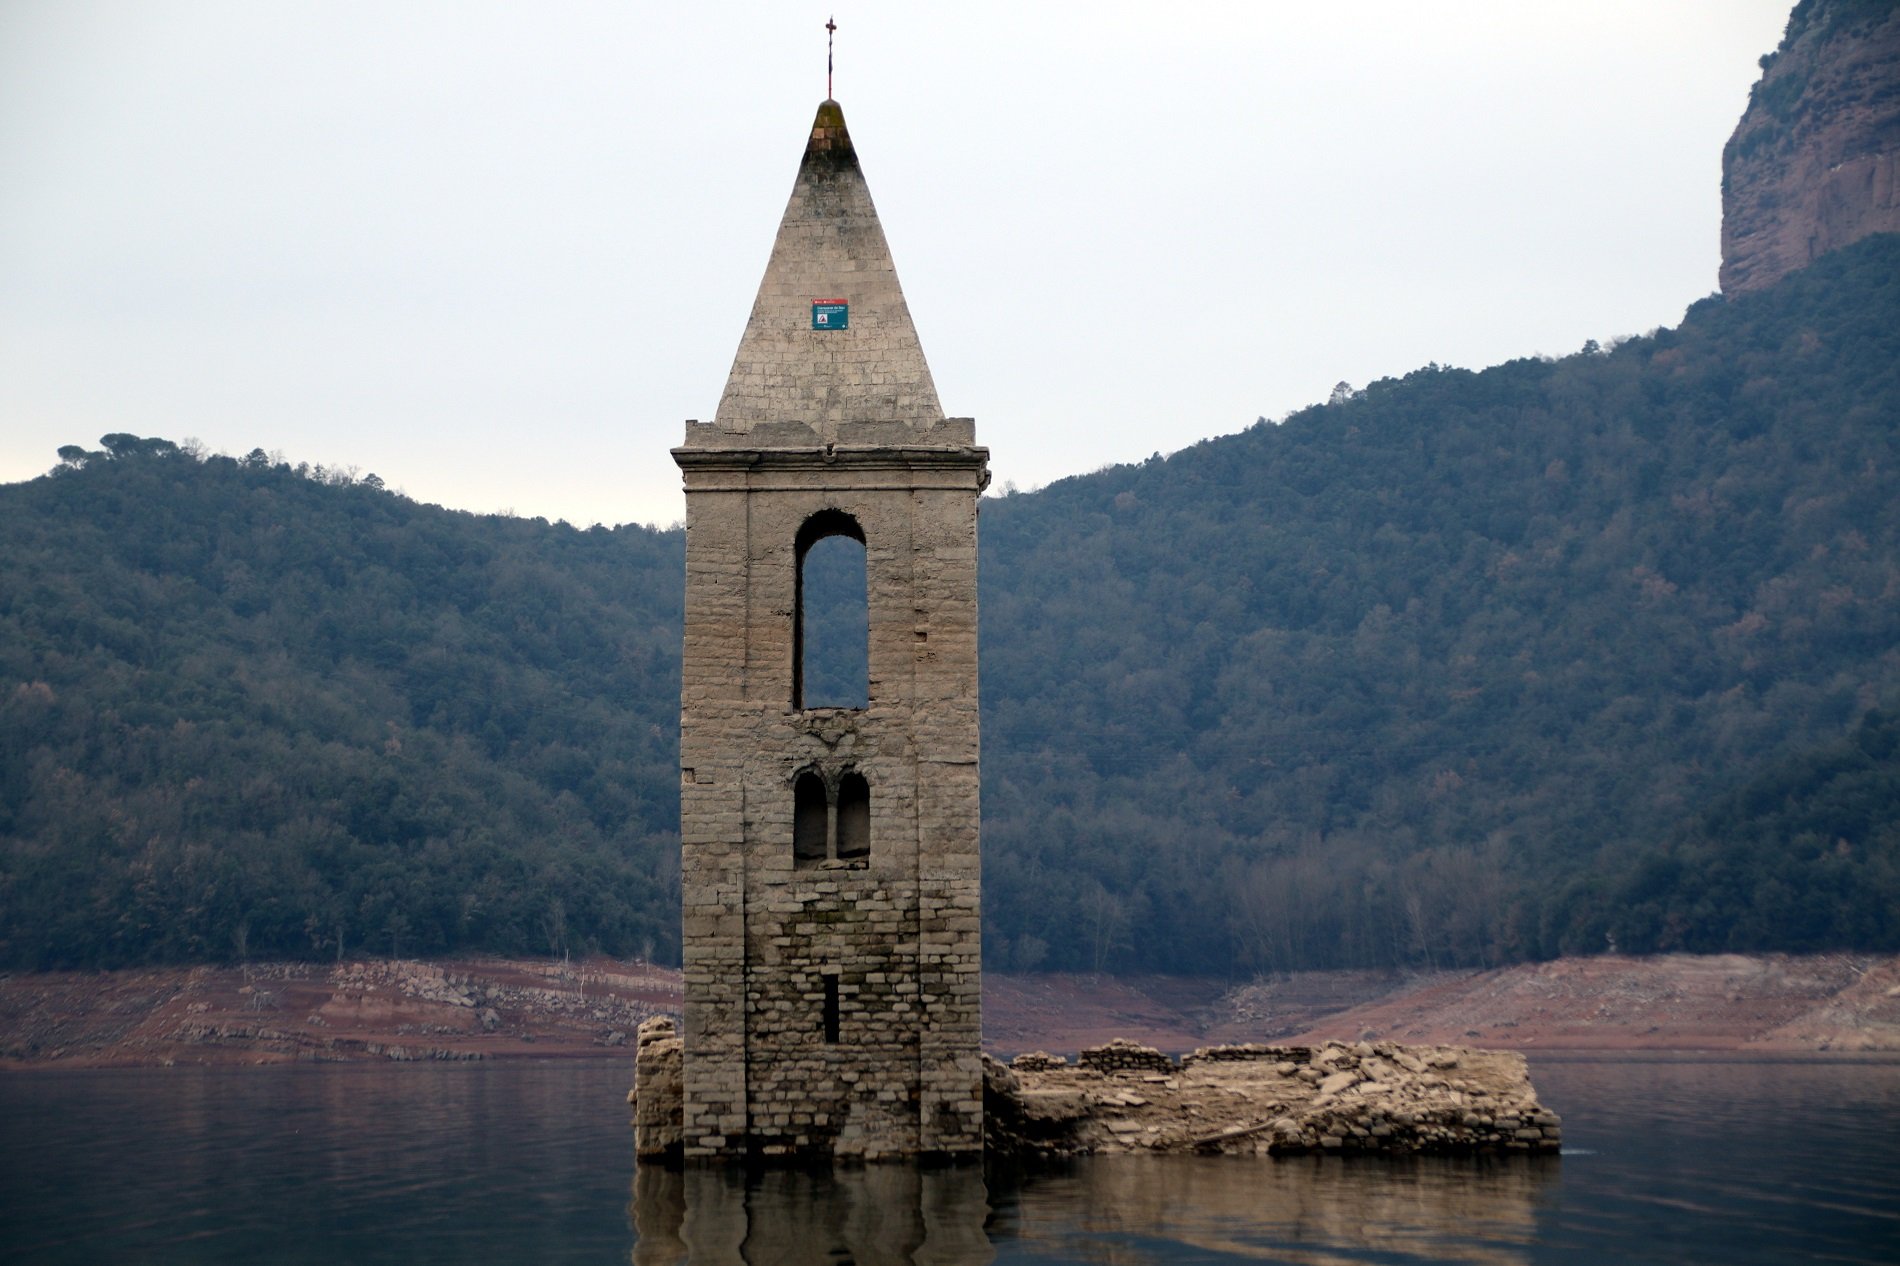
(830, 314)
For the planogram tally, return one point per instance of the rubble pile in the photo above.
(1267, 1100)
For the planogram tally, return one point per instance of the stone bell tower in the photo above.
(830, 854)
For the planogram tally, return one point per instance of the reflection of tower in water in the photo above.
(878, 1214)
(1479, 1210)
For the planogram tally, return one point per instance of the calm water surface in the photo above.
(1665, 1161)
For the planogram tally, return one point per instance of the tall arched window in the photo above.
(831, 625)
(811, 821)
(854, 816)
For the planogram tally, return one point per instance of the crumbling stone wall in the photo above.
(655, 1097)
(1121, 1055)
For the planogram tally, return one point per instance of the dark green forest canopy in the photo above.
(257, 709)
(1464, 667)
(1424, 675)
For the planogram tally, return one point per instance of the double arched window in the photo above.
(831, 621)
(831, 821)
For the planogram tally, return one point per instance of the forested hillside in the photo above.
(1457, 668)
(251, 709)
(1453, 669)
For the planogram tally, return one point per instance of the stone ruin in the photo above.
(829, 848)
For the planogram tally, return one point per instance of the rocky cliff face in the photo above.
(1812, 165)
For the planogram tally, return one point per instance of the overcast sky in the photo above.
(497, 253)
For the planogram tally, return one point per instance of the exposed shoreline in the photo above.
(484, 1008)
(1834, 1003)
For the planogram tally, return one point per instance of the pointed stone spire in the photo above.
(830, 343)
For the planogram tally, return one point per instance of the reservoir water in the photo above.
(1665, 1160)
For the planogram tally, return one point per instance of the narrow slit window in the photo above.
(831, 1011)
(831, 627)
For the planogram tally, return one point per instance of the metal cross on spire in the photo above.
(831, 28)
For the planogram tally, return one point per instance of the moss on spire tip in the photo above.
(829, 138)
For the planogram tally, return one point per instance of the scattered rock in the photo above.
(1337, 1082)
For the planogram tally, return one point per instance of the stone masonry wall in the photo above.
(898, 931)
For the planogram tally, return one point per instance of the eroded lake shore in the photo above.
(487, 1008)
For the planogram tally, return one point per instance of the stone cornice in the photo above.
(914, 463)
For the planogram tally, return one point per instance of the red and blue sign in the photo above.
(830, 314)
